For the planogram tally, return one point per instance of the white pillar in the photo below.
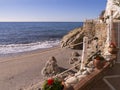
(109, 37)
(108, 33)
(84, 53)
(111, 26)
(109, 29)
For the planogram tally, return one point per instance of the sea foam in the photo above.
(16, 48)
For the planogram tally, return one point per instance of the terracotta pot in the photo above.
(112, 50)
(98, 63)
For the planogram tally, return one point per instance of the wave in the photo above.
(17, 48)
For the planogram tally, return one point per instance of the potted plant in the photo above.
(99, 61)
(53, 84)
(112, 48)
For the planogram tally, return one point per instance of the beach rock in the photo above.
(75, 60)
(75, 54)
(90, 64)
(85, 72)
(77, 66)
(72, 80)
(51, 68)
(79, 75)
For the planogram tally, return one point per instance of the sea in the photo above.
(17, 37)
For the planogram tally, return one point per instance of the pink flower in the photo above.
(50, 81)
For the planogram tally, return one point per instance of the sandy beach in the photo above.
(21, 71)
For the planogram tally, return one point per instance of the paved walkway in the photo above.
(111, 81)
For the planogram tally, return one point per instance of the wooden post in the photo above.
(84, 53)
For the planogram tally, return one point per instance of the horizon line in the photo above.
(41, 21)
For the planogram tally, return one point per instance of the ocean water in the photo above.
(18, 37)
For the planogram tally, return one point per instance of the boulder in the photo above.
(75, 60)
(71, 81)
(75, 54)
(51, 68)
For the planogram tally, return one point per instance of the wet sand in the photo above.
(21, 71)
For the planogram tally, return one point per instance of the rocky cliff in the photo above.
(90, 28)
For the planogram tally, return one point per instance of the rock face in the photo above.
(76, 36)
(72, 37)
(101, 33)
(51, 68)
(91, 28)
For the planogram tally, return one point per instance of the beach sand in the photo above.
(22, 70)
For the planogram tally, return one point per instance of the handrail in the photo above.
(80, 43)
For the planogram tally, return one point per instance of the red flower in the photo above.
(50, 81)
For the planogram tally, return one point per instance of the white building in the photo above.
(113, 8)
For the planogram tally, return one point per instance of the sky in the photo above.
(50, 10)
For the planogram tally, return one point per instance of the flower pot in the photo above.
(112, 50)
(53, 84)
(98, 63)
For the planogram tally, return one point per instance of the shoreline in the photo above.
(27, 51)
(19, 54)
